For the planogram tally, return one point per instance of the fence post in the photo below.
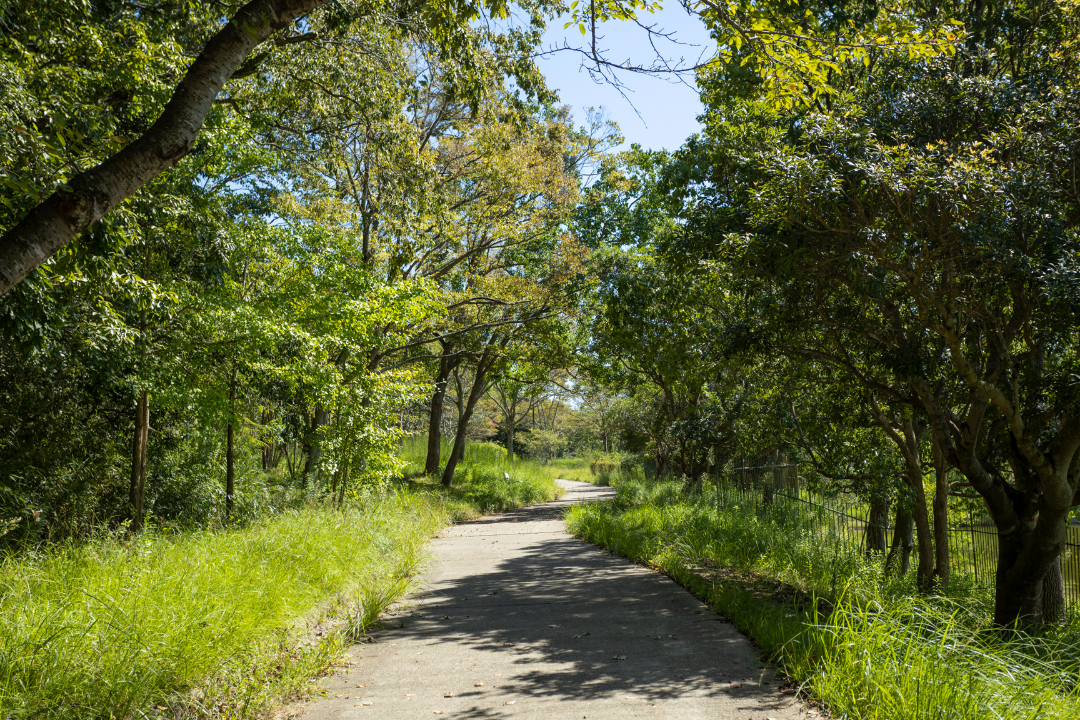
(974, 547)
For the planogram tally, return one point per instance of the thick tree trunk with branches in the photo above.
(438, 400)
(1031, 513)
(85, 198)
(479, 387)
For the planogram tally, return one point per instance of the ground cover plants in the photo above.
(485, 480)
(115, 628)
(862, 643)
(224, 622)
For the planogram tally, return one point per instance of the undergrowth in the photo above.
(223, 623)
(863, 644)
(485, 480)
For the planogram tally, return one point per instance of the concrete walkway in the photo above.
(516, 618)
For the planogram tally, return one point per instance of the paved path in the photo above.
(516, 618)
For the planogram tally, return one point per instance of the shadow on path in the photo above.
(550, 624)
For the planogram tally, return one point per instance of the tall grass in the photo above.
(116, 629)
(485, 480)
(875, 649)
(220, 622)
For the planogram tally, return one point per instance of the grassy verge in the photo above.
(485, 480)
(127, 629)
(224, 623)
(873, 649)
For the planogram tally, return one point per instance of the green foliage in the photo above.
(112, 628)
(860, 643)
(485, 481)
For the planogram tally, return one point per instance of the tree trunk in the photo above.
(229, 470)
(905, 435)
(1028, 559)
(438, 399)
(1030, 514)
(924, 536)
(902, 538)
(482, 367)
(876, 525)
(941, 518)
(313, 444)
(85, 198)
(510, 438)
(137, 489)
(1053, 600)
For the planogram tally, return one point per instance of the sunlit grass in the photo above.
(876, 649)
(218, 622)
(116, 628)
(486, 480)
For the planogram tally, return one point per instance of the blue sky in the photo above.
(668, 110)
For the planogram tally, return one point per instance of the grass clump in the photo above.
(225, 622)
(116, 629)
(862, 643)
(485, 480)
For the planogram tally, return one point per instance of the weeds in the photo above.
(224, 622)
(485, 480)
(875, 650)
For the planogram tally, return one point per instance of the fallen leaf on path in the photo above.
(618, 657)
(509, 702)
(498, 674)
(479, 684)
(448, 694)
(368, 703)
(338, 695)
(438, 712)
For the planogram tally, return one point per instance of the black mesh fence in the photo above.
(844, 518)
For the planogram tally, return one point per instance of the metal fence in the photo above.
(844, 518)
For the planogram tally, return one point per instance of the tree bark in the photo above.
(482, 367)
(876, 525)
(137, 488)
(941, 518)
(88, 196)
(924, 537)
(230, 476)
(438, 400)
(1053, 600)
(902, 538)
